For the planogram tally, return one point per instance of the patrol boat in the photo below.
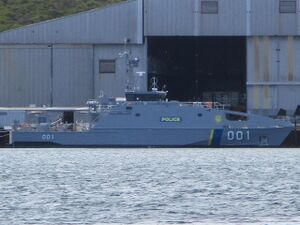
(148, 119)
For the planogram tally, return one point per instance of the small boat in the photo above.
(148, 119)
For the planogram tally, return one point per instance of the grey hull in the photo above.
(155, 123)
(154, 138)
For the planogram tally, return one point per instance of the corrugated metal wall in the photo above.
(42, 62)
(169, 17)
(105, 25)
(161, 18)
(59, 75)
(25, 75)
(266, 19)
(114, 84)
(72, 74)
(273, 74)
(234, 17)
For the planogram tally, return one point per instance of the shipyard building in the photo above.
(239, 52)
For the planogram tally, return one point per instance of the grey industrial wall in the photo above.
(234, 17)
(72, 74)
(273, 73)
(273, 43)
(59, 75)
(63, 75)
(25, 75)
(115, 84)
(40, 63)
(56, 62)
(109, 25)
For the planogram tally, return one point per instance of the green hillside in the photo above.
(16, 13)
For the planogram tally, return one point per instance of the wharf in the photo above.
(59, 109)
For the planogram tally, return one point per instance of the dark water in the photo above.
(150, 186)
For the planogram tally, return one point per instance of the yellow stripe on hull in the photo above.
(211, 136)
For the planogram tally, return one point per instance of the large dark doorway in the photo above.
(200, 68)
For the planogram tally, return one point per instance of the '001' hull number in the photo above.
(48, 137)
(238, 135)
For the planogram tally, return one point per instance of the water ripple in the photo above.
(150, 186)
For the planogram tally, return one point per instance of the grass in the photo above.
(16, 13)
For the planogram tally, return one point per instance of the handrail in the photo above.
(209, 105)
(5, 135)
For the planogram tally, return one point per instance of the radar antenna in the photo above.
(139, 79)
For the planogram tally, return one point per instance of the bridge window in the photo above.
(236, 117)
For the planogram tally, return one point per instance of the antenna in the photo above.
(154, 82)
(101, 94)
(131, 63)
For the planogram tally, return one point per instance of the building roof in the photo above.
(111, 24)
(131, 20)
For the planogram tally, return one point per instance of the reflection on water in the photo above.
(150, 186)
